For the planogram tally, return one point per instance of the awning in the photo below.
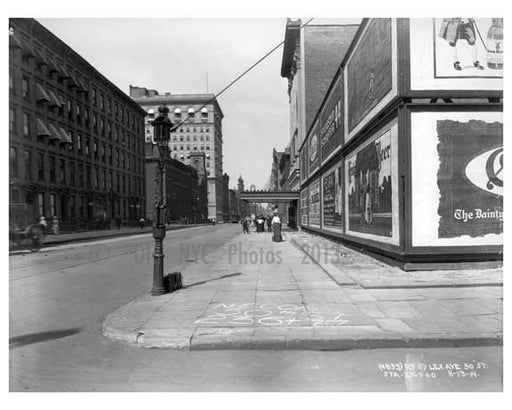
(81, 87)
(72, 81)
(65, 136)
(42, 129)
(14, 41)
(41, 94)
(40, 59)
(55, 133)
(204, 110)
(191, 111)
(54, 100)
(63, 72)
(27, 50)
(177, 111)
(52, 67)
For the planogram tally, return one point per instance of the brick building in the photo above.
(182, 189)
(201, 131)
(76, 142)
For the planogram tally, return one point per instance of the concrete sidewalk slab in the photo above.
(238, 304)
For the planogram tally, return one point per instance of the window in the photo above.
(79, 142)
(117, 109)
(72, 206)
(12, 82)
(104, 180)
(109, 105)
(188, 147)
(80, 175)
(102, 126)
(63, 171)
(207, 147)
(175, 147)
(208, 164)
(202, 147)
(26, 125)
(52, 169)
(78, 113)
(124, 160)
(109, 130)
(70, 109)
(86, 116)
(118, 186)
(25, 87)
(208, 173)
(81, 207)
(181, 147)
(72, 173)
(95, 149)
(13, 158)
(95, 122)
(117, 158)
(28, 164)
(87, 146)
(195, 147)
(207, 138)
(94, 101)
(110, 155)
(202, 137)
(110, 181)
(12, 120)
(53, 200)
(40, 203)
(102, 152)
(102, 102)
(88, 175)
(40, 166)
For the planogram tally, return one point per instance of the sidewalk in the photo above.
(253, 293)
(99, 234)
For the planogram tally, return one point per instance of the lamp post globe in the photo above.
(162, 128)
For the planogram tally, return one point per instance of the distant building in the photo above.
(201, 131)
(225, 197)
(76, 142)
(198, 161)
(182, 189)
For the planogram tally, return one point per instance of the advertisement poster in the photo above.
(313, 149)
(463, 194)
(314, 203)
(331, 121)
(332, 200)
(468, 47)
(303, 163)
(304, 207)
(369, 71)
(370, 188)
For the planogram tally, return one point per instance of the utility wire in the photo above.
(176, 126)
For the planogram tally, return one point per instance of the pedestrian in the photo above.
(42, 224)
(118, 222)
(245, 225)
(276, 228)
(259, 224)
(269, 223)
(142, 223)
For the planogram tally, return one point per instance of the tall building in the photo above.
(311, 56)
(76, 142)
(200, 131)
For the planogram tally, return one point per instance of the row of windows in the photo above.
(189, 116)
(66, 169)
(181, 147)
(187, 138)
(97, 99)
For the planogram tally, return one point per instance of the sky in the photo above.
(177, 55)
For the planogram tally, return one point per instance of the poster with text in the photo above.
(462, 195)
(303, 163)
(370, 188)
(314, 203)
(304, 207)
(332, 200)
(456, 53)
(313, 149)
(331, 121)
(369, 70)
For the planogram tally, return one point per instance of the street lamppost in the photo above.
(162, 129)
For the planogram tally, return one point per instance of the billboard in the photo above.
(331, 121)
(332, 212)
(456, 53)
(304, 207)
(314, 203)
(369, 71)
(313, 149)
(457, 178)
(372, 187)
(303, 163)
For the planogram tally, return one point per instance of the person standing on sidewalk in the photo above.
(142, 223)
(245, 225)
(42, 224)
(276, 228)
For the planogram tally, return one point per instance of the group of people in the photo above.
(273, 223)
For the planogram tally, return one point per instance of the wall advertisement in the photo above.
(314, 203)
(372, 187)
(304, 207)
(456, 53)
(331, 121)
(369, 72)
(332, 212)
(303, 163)
(313, 149)
(458, 184)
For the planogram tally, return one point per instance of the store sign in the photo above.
(332, 200)
(369, 71)
(304, 207)
(370, 189)
(314, 203)
(470, 178)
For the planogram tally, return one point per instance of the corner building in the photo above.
(76, 142)
(201, 131)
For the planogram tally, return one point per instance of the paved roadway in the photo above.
(60, 297)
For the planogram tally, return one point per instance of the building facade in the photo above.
(183, 190)
(76, 142)
(198, 120)
(311, 56)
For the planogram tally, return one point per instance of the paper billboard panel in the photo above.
(332, 200)
(314, 203)
(372, 187)
(304, 207)
(457, 178)
(456, 53)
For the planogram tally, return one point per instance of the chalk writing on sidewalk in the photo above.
(250, 314)
(420, 370)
